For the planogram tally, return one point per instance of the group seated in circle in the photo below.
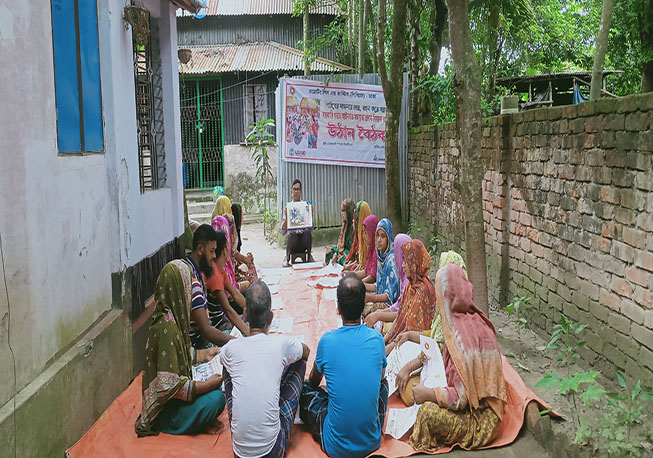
(385, 298)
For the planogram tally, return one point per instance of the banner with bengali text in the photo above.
(338, 124)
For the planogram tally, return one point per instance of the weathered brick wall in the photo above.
(568, 208)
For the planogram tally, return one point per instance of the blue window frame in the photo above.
(78, 91)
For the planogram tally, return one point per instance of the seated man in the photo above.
(202, 334)
(262, 380)
(221, 312)
(348, 420)
(299, 240)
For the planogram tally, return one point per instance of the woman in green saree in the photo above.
(338, 253)
(172, 401)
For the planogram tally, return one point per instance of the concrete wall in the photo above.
(568, 208)
(67, 222)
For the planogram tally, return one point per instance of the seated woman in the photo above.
(417, 307)
(435, 332)
(469, 409)
(222, 207)
(388, 316)
(358, 254)
(221, 223)
(339, 252)
(241, 260)
(386, 290)
(367, 271)
(172, 401)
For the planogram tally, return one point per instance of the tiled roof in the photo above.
(262, 7)
(252, 57)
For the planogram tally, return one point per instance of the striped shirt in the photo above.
(198, 299)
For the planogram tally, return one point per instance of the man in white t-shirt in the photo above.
(263, 377)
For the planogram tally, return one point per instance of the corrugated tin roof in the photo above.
(262, 7)
(252, 57)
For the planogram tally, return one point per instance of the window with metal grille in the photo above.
(149, 110)
(256, 104)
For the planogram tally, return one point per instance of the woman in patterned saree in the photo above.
(358, 254)
(469, 409)
(172, 401)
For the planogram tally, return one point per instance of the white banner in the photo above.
(338, 124)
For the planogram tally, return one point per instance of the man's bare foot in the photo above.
(216, 427)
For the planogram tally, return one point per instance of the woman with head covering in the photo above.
(339, 252)
(241, 260)
(469, 409)
(387, 277)
(388, 316)
(220, 223)
(172, 401)
(418, 302)
(358, 255)
(243, 284)
(222, 207)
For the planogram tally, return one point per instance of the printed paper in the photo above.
(282, 325)
(236, 332)
(276, 303)
(400, 421)
(433, 374)
(204, 371)
(307, 265)
(397, 359)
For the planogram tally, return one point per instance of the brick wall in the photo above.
(568, 209)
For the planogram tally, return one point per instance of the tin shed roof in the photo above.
(252, 57)
(262, 7)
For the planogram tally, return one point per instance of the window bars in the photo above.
(149, 110)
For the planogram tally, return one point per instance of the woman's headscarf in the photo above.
(222, 207)
(400, 240)
(217, 192)
(237, 211)
(369, 225)
(418, 301)
(447, 257)
(470, 340)
(363, 249)
(168, 354)
(387, 277)
(220, 223)
(233, 233)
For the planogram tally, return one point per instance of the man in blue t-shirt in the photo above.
(347, 421)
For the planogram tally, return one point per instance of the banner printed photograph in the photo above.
(342, 124)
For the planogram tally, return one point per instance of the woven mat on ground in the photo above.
(113, 434)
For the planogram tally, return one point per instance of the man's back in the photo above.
(255, 365)
(352, 359)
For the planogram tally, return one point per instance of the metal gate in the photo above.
(202, 133)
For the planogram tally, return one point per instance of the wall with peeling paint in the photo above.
(67, 222)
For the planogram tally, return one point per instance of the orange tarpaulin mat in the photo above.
(113, 434)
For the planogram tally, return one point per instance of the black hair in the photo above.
(351, 297)
(203, 234)
(297, 181)
(258, 305)
(237, 211)
(222, 242)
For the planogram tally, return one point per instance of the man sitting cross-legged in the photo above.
(347, 421)
(263, 378)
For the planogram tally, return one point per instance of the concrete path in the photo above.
(271, 256)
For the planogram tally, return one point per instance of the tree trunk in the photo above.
(392, 90)
(362, 36)
(307, 31)
(494, 48)
(414, 33)
(645, 20)
(438, 23)
(374, 48)
(601, 48)
(467, 81)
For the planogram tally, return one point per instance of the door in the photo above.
(202, 134)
